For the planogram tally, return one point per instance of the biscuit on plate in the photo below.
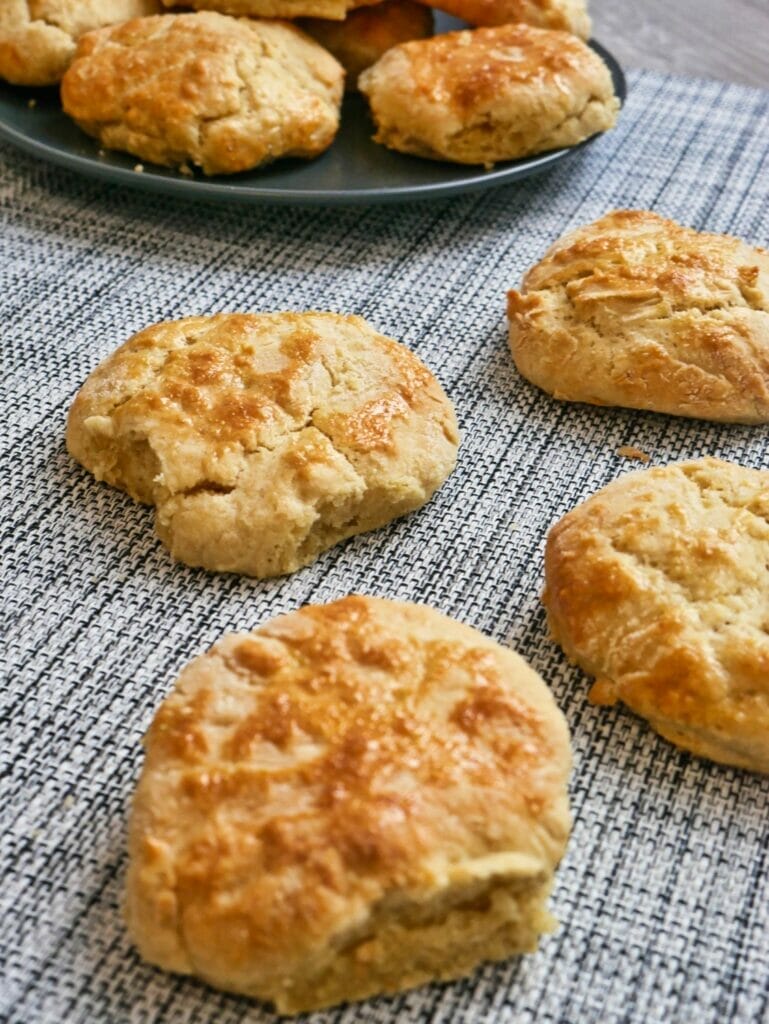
(264, 439)
(336, 9)
(368, 32)
(635, 310)
(38, 38)
(657, 586)
(355, 798)
(225, 94)
(489, 94)
(566, 15)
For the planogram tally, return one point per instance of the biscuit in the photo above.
(335, 9)
(657, 586)
(226, 94)
(355, 798)
(565, 15)
(264, 439)
(38, 38)
(368, 32)
(490, 94)
(638, 311)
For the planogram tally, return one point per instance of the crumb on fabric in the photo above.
(628, 451)
(139, 168)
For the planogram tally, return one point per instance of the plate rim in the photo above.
(223, 191)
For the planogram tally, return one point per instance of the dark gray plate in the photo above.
(354, 170)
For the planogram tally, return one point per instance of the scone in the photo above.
(265, 439)
(566, 15)
(355, 798)
(336, 9)
(368, 32)
(635, 310)
(658, 587)
(225, 94)
(38, 38)
(489, 94)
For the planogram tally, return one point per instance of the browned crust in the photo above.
(489, 94)
(221, 93)
(635, 310)
(563, 15)
(657, 587)
(264, 439)
(368, 32)
(343, 774)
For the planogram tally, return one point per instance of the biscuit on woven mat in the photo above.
(635, 310)
(355, 798)
(336, 9)
(489, 94)
(658, 587)
(368, 32)
(264, 439)
(223, 93)
(38, 37)
(566, 15)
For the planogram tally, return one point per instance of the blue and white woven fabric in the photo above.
(663, 896)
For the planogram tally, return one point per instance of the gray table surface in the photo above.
(725, 39)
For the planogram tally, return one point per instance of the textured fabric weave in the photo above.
(663, 895)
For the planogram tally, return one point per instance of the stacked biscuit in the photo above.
(228, 88)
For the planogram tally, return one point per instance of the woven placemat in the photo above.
(663, 895)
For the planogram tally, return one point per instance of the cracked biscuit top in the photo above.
(263, 439)
(638, 311)
(224, 94)
(489, 94)
(354, 798)
(565, 15)
(38, 38)
(658, 587)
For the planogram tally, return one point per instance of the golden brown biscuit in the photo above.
(264, 439)
(658, 587)
(355, 798)
(226, 94)
(368, 32)
(635, 310)
(490, 94)
(38, 37)
(565, 15)
(336, 9)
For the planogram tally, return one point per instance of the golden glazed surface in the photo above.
(264, 439)
(489, 94)
(38, 38)
(638, 311)
(368, 32)
(565, 15)
(222, 93)
(355, 798)
(658, 587)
